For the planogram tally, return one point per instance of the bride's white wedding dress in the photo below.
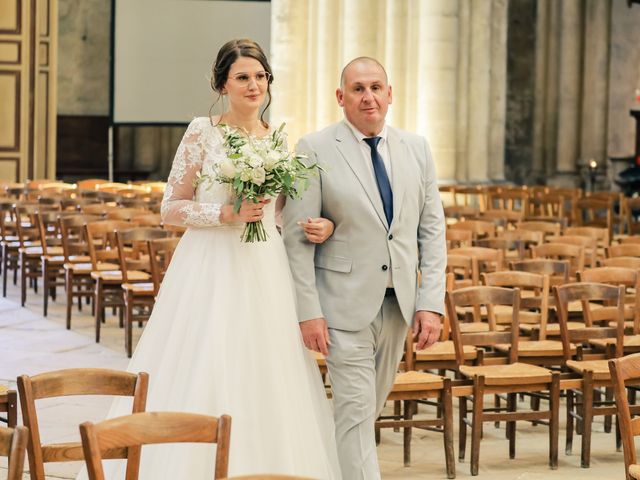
(224, 339)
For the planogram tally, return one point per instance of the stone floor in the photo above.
(30, 343)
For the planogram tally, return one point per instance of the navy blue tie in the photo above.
(382, 179)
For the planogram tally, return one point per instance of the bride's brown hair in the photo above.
(227, 55)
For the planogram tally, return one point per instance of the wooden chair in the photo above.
(126, 213)
(160, 254)
(600, 234)
(139, 296)
(502, 218)
(458, 238)
(478, 228)
(630, 239)
(547, 228)
(626, 262)
(108, 282)
(528, 237)
(547, 204)
(511, 249)
(469, 195)
(52, 259)
(9, 405)
(409, 387)
(147, 220)
(560, 251)
(134, 431)
(632, 205)
(514, 200)
(630, 279)
(9, 242)
(489, 259)
(79, 381)
(594, 370)
(595, 212)
(461, 212)
(623, 250)
(13, 444)
(90, 183)
(589, 244)
(77, 261)
(558, 270)
(510, 378)
(626, 371)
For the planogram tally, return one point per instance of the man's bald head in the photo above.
(360, 60)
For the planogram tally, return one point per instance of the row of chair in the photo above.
(117, 438)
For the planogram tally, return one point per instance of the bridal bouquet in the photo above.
(260, 167)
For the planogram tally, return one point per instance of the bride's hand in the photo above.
(250, 211)
(317, 230)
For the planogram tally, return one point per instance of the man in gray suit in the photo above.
(359, 291)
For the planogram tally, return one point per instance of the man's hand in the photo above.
(317, 230)
(315, 334)
(426, 328)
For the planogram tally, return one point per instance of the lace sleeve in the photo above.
(178, 204)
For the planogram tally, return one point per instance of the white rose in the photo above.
(246, 150)
(258, 176)
(227, 168)
(246, 175)
(256, 160)
(272, 160)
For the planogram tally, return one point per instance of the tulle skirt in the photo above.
(224, 339)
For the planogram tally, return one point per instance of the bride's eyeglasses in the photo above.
(261, 78)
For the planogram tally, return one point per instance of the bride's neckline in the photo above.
(219, 127)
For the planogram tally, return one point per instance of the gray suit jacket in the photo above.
(344, 279)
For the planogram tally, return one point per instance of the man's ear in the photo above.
(390, 95)
(340, 97)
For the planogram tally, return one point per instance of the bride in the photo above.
(223, 337)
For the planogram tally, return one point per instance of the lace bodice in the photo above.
(185, 205)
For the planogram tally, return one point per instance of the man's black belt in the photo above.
(389, 292)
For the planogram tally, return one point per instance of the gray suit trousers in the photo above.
(362, 368)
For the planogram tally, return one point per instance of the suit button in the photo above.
(385, 268)
(390, 237)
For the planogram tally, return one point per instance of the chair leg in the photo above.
(554, 420)
(587, 418)
(446, 403)
(569, 427)
(511, 426)
(5, 263)
(23, 281)
(45, 287)
(12, 408)
(397, 410)
(99, 309)
(68, 279)
(608, 396)
(406, 441)
(462, 428)
(476, 423)
(497, 404)
(128, 323)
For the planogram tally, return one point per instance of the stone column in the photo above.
(498, 79)
(595, 81)
(539, 108)
(462, 106)
(479, 90)
(570, 86)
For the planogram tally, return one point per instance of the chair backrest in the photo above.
(459, 238)
(547, 204)
(77, 381)
(160, 255)
(599, 233)
(101, 238)
(134, 431)
(558, 270)
(476, 297)
(629, 262)
(586, 293)
(529, 237)
(632, 205)
(489, 259)
(90, 183)
(505, 244)
(595, 212)
(13, 444)
(49, 228)
(561, 251)
(147, 220)
(132, 244)
(589, 243)
(478, 228)
(73, 234)
(623, 250)
(125, 213)
(623, 370)
(631, 238)
(534, 306)
(627, 277)
(461, 211)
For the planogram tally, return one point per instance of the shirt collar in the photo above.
(360, 136)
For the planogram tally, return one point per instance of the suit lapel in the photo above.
(350, 151)
(398, 160)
